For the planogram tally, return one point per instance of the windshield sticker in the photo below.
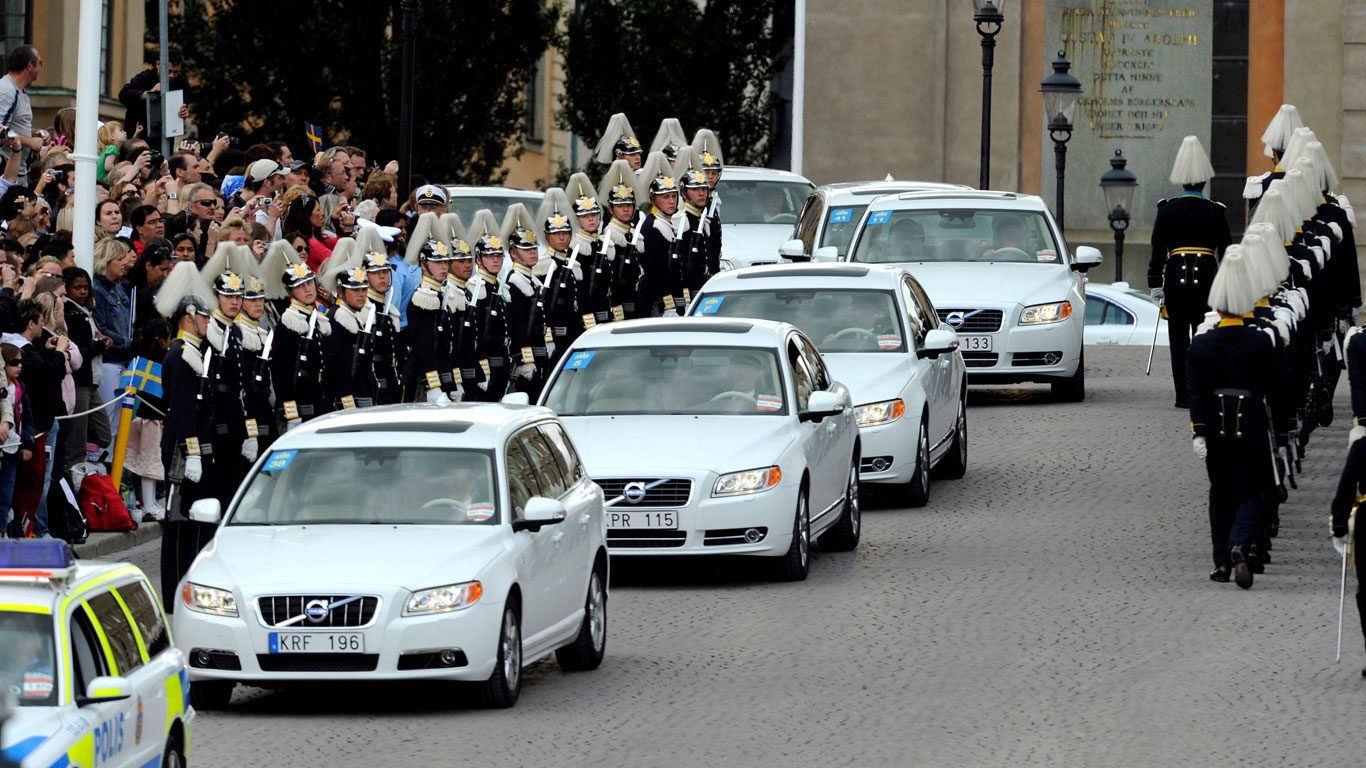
(768, 403)
(709, 305)
(879, 217)
(889, 342)
(1047, 257)
(579, 360)
(37, 685)
(278, 460)
(841, 215)
(479, 510)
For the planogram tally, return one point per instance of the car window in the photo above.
(802, 378)
(27, 651)
(836, 319)
(749, 201)
(87, 657)
(810, 223)
(522, 483)
(570, 465)
(840, 223)
(147, 616)
(915, 319)
(814, 363)
(1095, 310)
(118, 631)
(925, 306)
(1101, 311)
(668, 380)
(543, 461)
(963, 234)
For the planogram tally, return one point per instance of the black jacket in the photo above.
(43, 372)
(80, 328)
(1238, 357)
(131, 96)
(1187, 222)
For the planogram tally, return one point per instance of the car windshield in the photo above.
(837, 320)
(26, 653)
(957, 235)
(375, 486)
(639, 381)
(465, 205)
(840, 224)
(761, 202)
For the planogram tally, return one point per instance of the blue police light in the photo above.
(54, 554)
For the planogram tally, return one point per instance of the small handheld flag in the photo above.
(143, 375)
(315, 137)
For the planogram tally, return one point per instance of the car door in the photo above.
(536, 549)
(944, 399)
(933, 373)
(827, 471)
(811, 436)
(584, 514)
(91, 658)
(165, 696)
(567, 536)
(840, 438)
(120, 735)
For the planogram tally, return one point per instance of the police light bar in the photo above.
(36, 560)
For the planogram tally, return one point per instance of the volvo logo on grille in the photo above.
(316, 611)
(955, 319)
(634, 492)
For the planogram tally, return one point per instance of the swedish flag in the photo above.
(314, 134)
(142, 375)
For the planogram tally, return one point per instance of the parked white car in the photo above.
(1118, 314)
(758, 208)
(878, 332)
(833, 212)
(713, 436)
(455, 542)
(464, 200)
(997, 268)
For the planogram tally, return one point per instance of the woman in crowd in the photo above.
(146, 277)
(13, 454)
(85, 335)
(383, 189)
(304, 214)
(182, 246)
(108, 220)
(113, 316)
(338, 219)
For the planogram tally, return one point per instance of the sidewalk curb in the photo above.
(103, 545)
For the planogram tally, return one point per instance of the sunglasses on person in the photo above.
(301, 248)
(130, 192)
(208, 203)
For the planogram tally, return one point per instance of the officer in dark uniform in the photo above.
(670, 139)
(429, 373)
(619, 142)
(708, 148)
(296, 353)
(487, 308)
(461, 337)
(595, 293)
(560, 273)
(231, 436)
(663, 264)
(348, 378)
(1189, 234)
(256, 341)
(381, 362)
(620, 238)
(694, 226)
(1275, 140)
(525, 304)
(1346, 524)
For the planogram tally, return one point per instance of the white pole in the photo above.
(798, 83)
(87, 117)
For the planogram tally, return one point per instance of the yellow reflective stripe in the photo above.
(82, 753)
(21, 608)
(81, 589)
(137, 632)
(100, 692)
(104, 641)
(175, 705)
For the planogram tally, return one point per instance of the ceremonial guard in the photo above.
(669, 139)
(1334, 210)
(596, 290)
(487, 307)
(620, 239)
(430, 374)
(525, 304)
(619, 142)
(1189, 234)
(296, 352)
(560, 273)
(257, 340)
(1274, 141)
(461, 337)
(348, 379)
(694, 228)
(1345, 525)
(382, 359)
(663, 264)
(235, 433)
(708, 148)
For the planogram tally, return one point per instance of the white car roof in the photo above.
(750, 173)
(453, 425)
(970, 198)
(48, 595)
(861, 276)
(687, 331)
(462, 190)
(858, 191)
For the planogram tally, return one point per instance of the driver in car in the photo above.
(36, 678)
(467, 491)
(855, 321)
(742, 378)
(774, 208)
(908, 241)
(1010, 233)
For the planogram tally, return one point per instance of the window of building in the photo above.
(535, 105)
(16, 23)
(107, 48)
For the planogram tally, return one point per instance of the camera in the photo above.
(58, 175)
(11, 135)
(232, 140)
(155, 158)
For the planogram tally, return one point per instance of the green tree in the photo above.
(260, 68)
(709, 63)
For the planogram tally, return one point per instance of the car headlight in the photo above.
(219, 602)
(1046, 313)
(873, 414)
(452, 597)
(748, 481)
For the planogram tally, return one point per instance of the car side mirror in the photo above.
(206, 511)
(793, 250)
(937, 342)
(820, 405)
(539, 511)
(516, 398)
(1085, 258)
(103, 689)
(826, 253)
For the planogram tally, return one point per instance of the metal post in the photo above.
(165, 77)
(408, 8)
(988, 60)
(798, 84)
(1060, 163)
(87, 117)
(1119, 251)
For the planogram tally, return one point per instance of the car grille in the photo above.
(670, 493)
(1020, 359)
(980, 359)
(278, 608)
(985, 321)
(317, 662)
(725, 536)
(628, 539)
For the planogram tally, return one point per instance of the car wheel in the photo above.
(1072, 390)
(209, 695)
(505, 684)
(919, 488)
(796, 562)
(844, 535)
(955, 463)
(590, 645)
(173, 757)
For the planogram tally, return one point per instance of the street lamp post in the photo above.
(408, 9)
(988, 15)
(1060, 93)
(1118, 185)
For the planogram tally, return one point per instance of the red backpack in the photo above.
(102, 505)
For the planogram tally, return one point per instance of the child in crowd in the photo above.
(16, 424)
(111, 136)
(143, 457)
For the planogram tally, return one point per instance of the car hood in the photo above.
(871, 377)
(289, 557)
(611, 445)
(968, 284)
(27, 728)
(744, 244)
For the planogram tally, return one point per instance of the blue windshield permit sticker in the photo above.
(278, 460)
(840, 215)
(709, 305)
(579, 360)
(879, 217)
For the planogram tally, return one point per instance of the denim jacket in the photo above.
(114, 316)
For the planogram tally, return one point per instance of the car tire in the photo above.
(503, 687)
(174, 756)
(918, 489)
(590, 645)
(208, 695)
(795, 564)
(1073, 389)
(955, 463)
(843, 536)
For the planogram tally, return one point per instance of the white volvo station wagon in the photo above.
(713, 436)
(450, 542)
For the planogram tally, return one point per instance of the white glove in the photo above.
(1200, 447)
(550, 349)
(525, 371)
(483, 385)
(292, 423)
(455, 395)
(1356, 434)
(194, 468)
(249, 449)
(670, 313)
(1158, 294)
(436, 396)
(1340, 544)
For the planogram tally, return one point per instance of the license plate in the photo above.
(317, 642)
(661, 520)
(974, 343)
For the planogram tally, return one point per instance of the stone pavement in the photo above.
(1052, 608)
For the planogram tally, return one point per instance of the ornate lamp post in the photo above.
(1118, 185)
(1060, 93)
(988, 15)
(408, 10)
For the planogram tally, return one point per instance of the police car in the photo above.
(86, 655)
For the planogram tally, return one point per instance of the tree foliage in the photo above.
(260, 68)
(709, 63)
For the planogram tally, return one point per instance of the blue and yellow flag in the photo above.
(315, 137)
(142, 375)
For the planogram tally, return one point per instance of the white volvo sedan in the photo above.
(879, 333)
(713, 436)
(455, 542)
